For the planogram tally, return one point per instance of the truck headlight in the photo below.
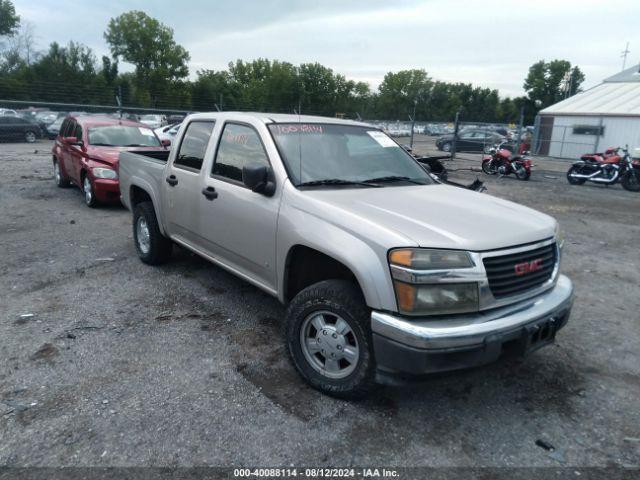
(422, 281)
(104, 173)
(427, 259)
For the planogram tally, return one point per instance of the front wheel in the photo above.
(90, 199)
(572, 180)
(631, 181)
(152, 246)
(328, 335)
(489, 167)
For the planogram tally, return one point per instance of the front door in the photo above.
(240, 225)
(183, 183)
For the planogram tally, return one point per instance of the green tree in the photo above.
(9, 21)
(149, 45)
(550, 82)
(399, 90)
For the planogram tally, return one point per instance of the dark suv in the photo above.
(16, 128)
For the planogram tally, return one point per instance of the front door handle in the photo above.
(210, 193)
(172, 180)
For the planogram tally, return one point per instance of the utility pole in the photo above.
(456, 129)
(119, 101)
(625, 52)
(520, 126)
(413, 121)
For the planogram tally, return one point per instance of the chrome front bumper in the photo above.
(469, 331)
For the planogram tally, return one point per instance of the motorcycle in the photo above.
(607, 168)
(502, 161)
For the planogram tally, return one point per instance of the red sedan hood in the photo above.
(110, 155)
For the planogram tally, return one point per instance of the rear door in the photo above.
(184, 182)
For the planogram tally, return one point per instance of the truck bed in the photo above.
(144, 169)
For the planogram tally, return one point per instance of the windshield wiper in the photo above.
(335, 181)
(392, 178)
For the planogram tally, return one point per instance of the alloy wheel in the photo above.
(142, 234)
(329, 344)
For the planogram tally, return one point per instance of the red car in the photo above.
(86, 153)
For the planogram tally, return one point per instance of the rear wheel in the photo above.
(572, 180)
(30, 137)
(631, 181)
(152, 246)
(58, 176)
(521, 172)
(328, 335)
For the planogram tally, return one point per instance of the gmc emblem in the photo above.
(528, 267)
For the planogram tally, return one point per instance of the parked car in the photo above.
(16, 128)
(8, 111)
(470, 140)
(167, 133)
(387, 273)
(153, 121)
(86, 152)
(53, 130)
(175, 118)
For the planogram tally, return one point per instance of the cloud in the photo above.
(490, 43)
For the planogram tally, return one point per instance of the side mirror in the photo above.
(165, 142)
(258, 178)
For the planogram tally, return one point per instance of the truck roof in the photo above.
(277, 118)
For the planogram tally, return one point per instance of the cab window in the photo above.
(193, 145)
(239, 145)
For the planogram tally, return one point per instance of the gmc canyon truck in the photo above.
(387, 274)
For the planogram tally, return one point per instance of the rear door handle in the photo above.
(172, 180)
(210, 193)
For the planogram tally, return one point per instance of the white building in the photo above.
(604, 116)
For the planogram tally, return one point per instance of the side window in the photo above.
(238, 146)
(193, 145)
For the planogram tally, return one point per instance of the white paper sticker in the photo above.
(382, 138)
(146, 131)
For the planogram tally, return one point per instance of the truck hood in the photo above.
(436, 216)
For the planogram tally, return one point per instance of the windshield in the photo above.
(122, 136)
(317, 152)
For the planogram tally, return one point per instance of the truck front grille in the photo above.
(518, 272)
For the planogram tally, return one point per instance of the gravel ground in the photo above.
(105, 361)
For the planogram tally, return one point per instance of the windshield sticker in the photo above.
(146, 131)
(381, 138)
(299, 128)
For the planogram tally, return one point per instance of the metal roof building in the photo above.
(607, 115)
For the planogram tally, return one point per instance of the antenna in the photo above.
(624, 55)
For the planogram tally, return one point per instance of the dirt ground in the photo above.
(105, 361)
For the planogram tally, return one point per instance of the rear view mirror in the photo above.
(73, 141)
(257, 177)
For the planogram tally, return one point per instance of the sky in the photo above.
(489, 43)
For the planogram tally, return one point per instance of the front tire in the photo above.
(90, 199)
(572, 180)
(152, 246)
(488, 167)
(328, 335)
(631, 181)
